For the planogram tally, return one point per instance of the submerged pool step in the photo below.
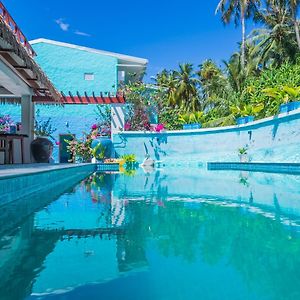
(286, 168)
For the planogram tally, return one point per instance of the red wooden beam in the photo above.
(80, 100)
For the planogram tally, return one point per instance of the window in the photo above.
(121, 76)
(89, 76)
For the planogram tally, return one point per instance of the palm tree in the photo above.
(294, 5)
(167, 82)
(214, 84)
(239, 10)
(275, 43)
(187, 91)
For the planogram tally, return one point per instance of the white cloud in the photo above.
(81, 33)
(62, 24)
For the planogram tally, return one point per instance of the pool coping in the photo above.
(32, 169)
(265, 167)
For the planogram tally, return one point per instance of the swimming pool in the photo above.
(175, 233)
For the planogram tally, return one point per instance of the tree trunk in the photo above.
(297, 31)
(243, 50)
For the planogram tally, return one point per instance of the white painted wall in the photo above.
(117, 118)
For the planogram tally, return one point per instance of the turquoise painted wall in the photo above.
(74, 119)
(275, 139)
(66, 67)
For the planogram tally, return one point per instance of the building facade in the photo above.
(79, 71)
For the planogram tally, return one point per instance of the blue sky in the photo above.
(165, 32)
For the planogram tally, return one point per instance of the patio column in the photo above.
(117, 118)
(27, 121)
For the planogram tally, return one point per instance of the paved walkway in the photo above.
(17, 170)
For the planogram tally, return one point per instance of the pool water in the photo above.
(183, 233)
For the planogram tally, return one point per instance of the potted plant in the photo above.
(246, 113)
(130, 161)
(192, 120)
(243, 155)
(6, 124)
(100, 135)
(81, 150)
(98, 153)
(286, 96)
(41, 146)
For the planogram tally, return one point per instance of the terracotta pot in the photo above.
(41, 149)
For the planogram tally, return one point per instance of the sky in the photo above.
(165, 32)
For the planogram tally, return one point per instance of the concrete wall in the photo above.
(66, 67)
(275, 139)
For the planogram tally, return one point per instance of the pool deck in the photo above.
(7, 171)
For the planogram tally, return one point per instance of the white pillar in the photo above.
(27, 121)
(117, 118)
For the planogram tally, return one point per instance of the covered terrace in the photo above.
(21, 79)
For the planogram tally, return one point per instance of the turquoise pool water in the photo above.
(168, 234)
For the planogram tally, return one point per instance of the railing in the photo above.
(12, 25)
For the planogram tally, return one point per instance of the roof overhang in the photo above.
(16, 61)
(122, 59)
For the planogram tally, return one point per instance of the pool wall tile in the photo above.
(14, 188)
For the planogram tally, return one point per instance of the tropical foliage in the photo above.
(255, 80)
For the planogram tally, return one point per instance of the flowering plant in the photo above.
(159, 127)
(5, 123)
(104, 121)
(80, 149)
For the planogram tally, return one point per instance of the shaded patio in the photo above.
(21, 79)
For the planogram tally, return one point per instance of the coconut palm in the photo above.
(275, 43)
(236, 74)
(294, 6)
(214, 85)
(166, 81)
(212, 79)
(187, 92)
(239, 10)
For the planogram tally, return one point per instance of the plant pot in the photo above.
(284, 108)
(107, 144)
(196, 126)
(294, 105)
(41, 149)
(249, 119)
(241, 121)
(191, 126)
(244, 158)
(187, 126)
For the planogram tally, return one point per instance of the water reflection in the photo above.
(162, 230)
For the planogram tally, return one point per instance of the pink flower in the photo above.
(57, 143)
(94, 126)
(127, 126)
(159, 127)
